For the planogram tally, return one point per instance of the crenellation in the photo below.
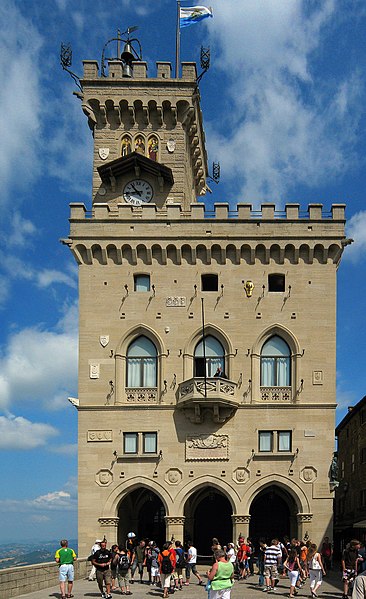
(139, 68)
(164, 69)
(315, 211)
(91, 69)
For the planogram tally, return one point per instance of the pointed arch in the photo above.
(189, 350)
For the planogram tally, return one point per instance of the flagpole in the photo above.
(204, 344)
(177, 42)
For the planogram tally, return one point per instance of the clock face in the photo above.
(138, 192)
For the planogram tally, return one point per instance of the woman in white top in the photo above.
(230, 554)
(316, 569)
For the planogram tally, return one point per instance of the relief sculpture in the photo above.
(207, 447)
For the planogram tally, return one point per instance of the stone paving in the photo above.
(330, 589)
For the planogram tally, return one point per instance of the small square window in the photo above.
(276, 283)
(141, 283)
(130, 443)
(209, 283)
(284, 440)
(150, 442)
(265, 440)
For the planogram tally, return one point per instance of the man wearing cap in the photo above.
(96, 546)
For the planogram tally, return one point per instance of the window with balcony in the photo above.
(275, 363)
(141, 363)
(208, 350)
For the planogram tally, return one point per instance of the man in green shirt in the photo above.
(65, 557)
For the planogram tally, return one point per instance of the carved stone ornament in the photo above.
(171, 144)
(94, 370)
(104, 477)
(317, 377)
(241, 475)
(308, 474)
(175, 301)
(304, 518)
(104, 153)
(108, 521)
(207, 447)
(104, 340)
(173, 476)
(236, 519)
(99, 436)
(174, 520)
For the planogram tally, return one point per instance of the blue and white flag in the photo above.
(193, 14)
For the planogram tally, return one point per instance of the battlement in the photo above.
(140, 71)
(244, 212)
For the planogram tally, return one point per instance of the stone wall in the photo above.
(27, 579)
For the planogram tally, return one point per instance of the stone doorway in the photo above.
(143, 513)
(273, 515)
(208, 514)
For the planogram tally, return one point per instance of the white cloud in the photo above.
(19, 433)
(356, 230)
(4, 290)
(53, 501)
(20, 230)
(42, 278)
(68, 450)
(285, 126)
(20, 47)
(40, 364)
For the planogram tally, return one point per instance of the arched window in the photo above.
(275, 363)
(140, 145)
(141, 363)
(215, 357)
(153, 148)
(126, 145)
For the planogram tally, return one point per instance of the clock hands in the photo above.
(136, 190)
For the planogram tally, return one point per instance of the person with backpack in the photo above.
(122, 564)
(167, 563)
(180, 563)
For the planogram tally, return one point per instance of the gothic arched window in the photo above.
(153, 148)
(141, 363)
(275, 363)
(126, 146)
(215, 357)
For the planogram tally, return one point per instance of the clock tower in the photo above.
(149, 144)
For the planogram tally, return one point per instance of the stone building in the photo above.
(171, 291)
(350, 496)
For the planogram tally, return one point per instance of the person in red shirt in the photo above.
(242, 556)
(167, 561)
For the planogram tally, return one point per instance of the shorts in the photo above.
(165, 580)
(270, 571)
(190, 568)
(66, 572)
(155, 571)
(179, 572)
(104, 575)
(221, 594)
(348, 575)
(122, 578)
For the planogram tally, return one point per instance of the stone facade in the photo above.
(156, 457)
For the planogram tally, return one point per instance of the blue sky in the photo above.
(288, 82)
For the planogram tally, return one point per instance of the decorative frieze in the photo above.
(276, 394)
(304, 518)
(108, 521)
(175, 301)
(171, 520)
(236, 519)
(207, 447)
(142, 395)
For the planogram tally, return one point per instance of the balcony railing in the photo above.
(213, 390)
(142, 395)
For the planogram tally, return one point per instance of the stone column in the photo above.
(109, 529)
(304, 526)
(240, 525)
(174, 528)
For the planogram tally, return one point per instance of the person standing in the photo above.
(292, 565)
(96, 546)
(65, 557)
(180, 563)
(272, 557)
(221, 576)
(326, 553)
(191, 565)
(315, 568)
(167, 561)
(349, 565)
(102, 561)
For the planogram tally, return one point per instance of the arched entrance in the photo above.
(142, 512)
(208, 514)
(273, 515)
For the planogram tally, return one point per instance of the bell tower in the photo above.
(149, 143)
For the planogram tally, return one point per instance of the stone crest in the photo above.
(94, 370)
(308, 474)
(103, 153)
(104, 477)
(104, 340)
(171, 144)
(99, 436)
(207, 447)
(173, 476)
(241, 475)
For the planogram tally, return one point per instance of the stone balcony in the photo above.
(216, 396)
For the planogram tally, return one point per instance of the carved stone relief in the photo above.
(99, 436)
(104, 340)
(94, 370)
(308, 474)
(104, 477)
(175, 301)
(241, 475)
(173, 476)
(317, 377)
(207, 447)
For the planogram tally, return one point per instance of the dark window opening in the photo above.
(276, 283)
(209, 282)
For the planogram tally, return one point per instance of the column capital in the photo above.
(108, 521)
(174, 520)
(304, 517)
(236, 519)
